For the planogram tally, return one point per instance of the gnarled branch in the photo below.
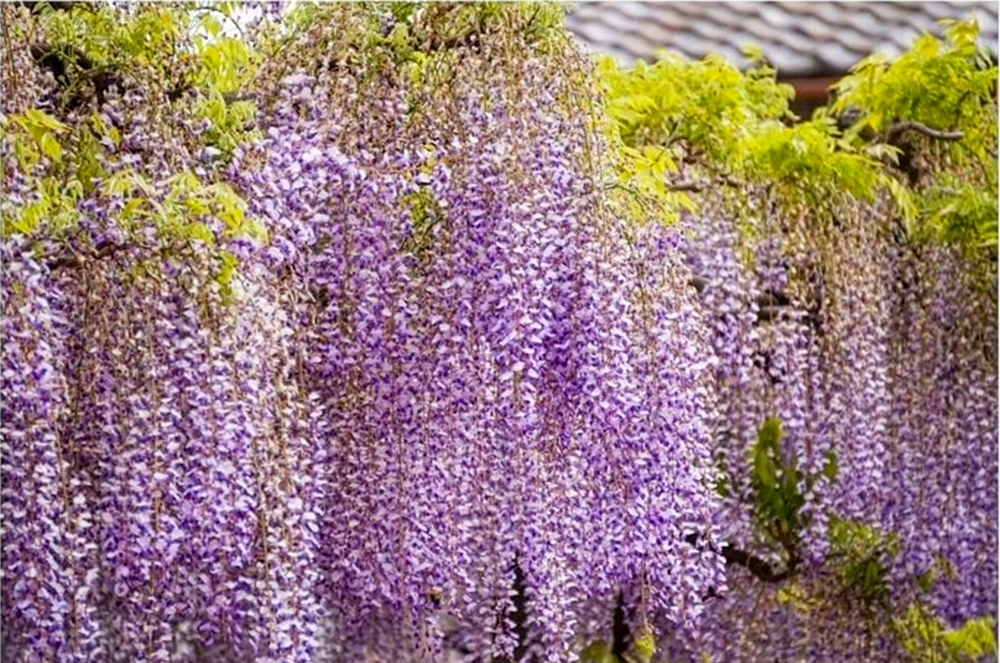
(74, 258)
(897, 128)
(756, 566)
(759, 568)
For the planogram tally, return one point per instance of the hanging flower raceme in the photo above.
(158, 447)
(859, 349)
(50, 560)
(942, 476)
(197, 445)
(158, 466)
(518, 435)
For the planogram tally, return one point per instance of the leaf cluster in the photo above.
(641, 650)
(927, 640)
(181, 55)
(709, 105)
(859, 556)
(706, 119)
(945, 85)
(777, 486)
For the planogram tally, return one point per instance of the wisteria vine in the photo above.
(386, 369)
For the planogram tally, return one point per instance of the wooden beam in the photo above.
(812, 89)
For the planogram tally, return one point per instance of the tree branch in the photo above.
(58, 5)
(698, 283)
(757, 567)
(897, 128)
(620, 631)
(688, 185)
(74, 258)
(696, 186)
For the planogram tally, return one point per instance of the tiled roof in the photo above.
(800, 39)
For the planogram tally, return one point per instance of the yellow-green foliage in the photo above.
(705, 127)
(927, 640)
(859, 553)
(36, 138)
(642, 650)
(946, 85)
(725, 122)
(709, 104)
(807, 159)
(728, 126)
(176, 52)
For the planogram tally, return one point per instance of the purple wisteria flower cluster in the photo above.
(516, 400)
(880, 359)
(447, 404)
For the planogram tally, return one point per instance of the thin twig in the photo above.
(75, 258)
(688, 185)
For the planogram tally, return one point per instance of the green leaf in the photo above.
(597, 652)
(211, 24)
(50, 146)
(764, 469)
(37, 118)
(830, 467)
(199, 231)
(926, 579)
(645, 646)
(753, 53)
(770, 432)
(903, 199)
(975, 639)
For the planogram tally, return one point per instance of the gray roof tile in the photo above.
(800, 39)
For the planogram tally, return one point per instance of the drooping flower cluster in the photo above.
(157, 465)
(448, 403)
(48, 548)
(941, 479)
(878, 358)
(516, 412)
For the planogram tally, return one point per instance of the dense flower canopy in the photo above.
(882, 386)
(347, 340)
